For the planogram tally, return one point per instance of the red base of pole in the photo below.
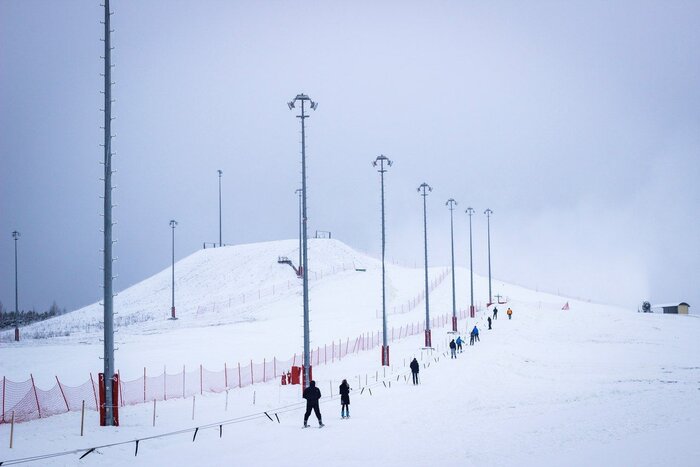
(454, 323)
(172, 313)
(385, 356)
(17, 334)
(471, 311)
(428, 340)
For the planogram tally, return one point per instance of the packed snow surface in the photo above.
(592, 385)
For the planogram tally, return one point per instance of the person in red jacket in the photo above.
(509, 313)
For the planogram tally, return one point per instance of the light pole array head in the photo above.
(298, 191)
(470, 211)
(220, 172)
(425, 188)
(16, 235)
(302, 97)
(488, 212)
(451, 203)
(173, 223)
(380, 161)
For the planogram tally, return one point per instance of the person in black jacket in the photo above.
(453, 349)
(344, 399)
(489, 320)
(312, 394)
(415, 368)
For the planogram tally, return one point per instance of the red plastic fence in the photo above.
(29, 402)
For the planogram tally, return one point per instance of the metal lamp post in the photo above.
(110, 376)
(15, 236)
(173, 223)
(303, 99)
(451, 203)
(424, 189)
(301, 266)
(381, 161)
(220, 173)
(488, 213)
(470, 211)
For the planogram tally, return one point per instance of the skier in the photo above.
(489, 321)
(415, 368)
(459, 343)
(475, 331)
(344, 399)
(509, 313)
(453, 349)
(495, 313)
(312, 394)
(471, 338)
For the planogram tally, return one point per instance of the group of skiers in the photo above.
(312, 394)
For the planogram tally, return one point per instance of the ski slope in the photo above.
(591, 385)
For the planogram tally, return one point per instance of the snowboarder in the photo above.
(475, 331)
(459, 343)
(344, 399)
(489, 321)
(495, 313)
(453, 349)
(415, 368)
(312, 394)
(509, 313)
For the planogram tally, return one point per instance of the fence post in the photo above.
(94, 392)
(201, 380)
(264, 372)
(183, 381)
(3, 399)
(35, 395)
(63, 394)
(274, 366)
(144, 384)
(325, 354)
(82, 418)
(225, 376)
(251, 372)
(239, 375)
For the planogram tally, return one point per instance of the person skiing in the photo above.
(453, 349)
(459, 343)
(471, 338)
(489, 321)
(344, 399)
(476, 333)
(509, 313)
(312, 394)
(415, 368)
(495, 313)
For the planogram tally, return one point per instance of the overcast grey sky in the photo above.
(578, 123)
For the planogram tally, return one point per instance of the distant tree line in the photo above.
(10, 318)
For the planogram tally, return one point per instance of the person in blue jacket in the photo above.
(459, 343)
(475, 331)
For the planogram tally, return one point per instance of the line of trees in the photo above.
(11, 318)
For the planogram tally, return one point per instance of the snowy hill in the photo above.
(590, 385)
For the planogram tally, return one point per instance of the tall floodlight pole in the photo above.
(451, 203)
(470, 211)
(15, 236)
(173, 223)
(488, 213)
(300, 269)
(107, 210)
(303, 99)
(424, 189)
(220, 173)
(381, 161)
